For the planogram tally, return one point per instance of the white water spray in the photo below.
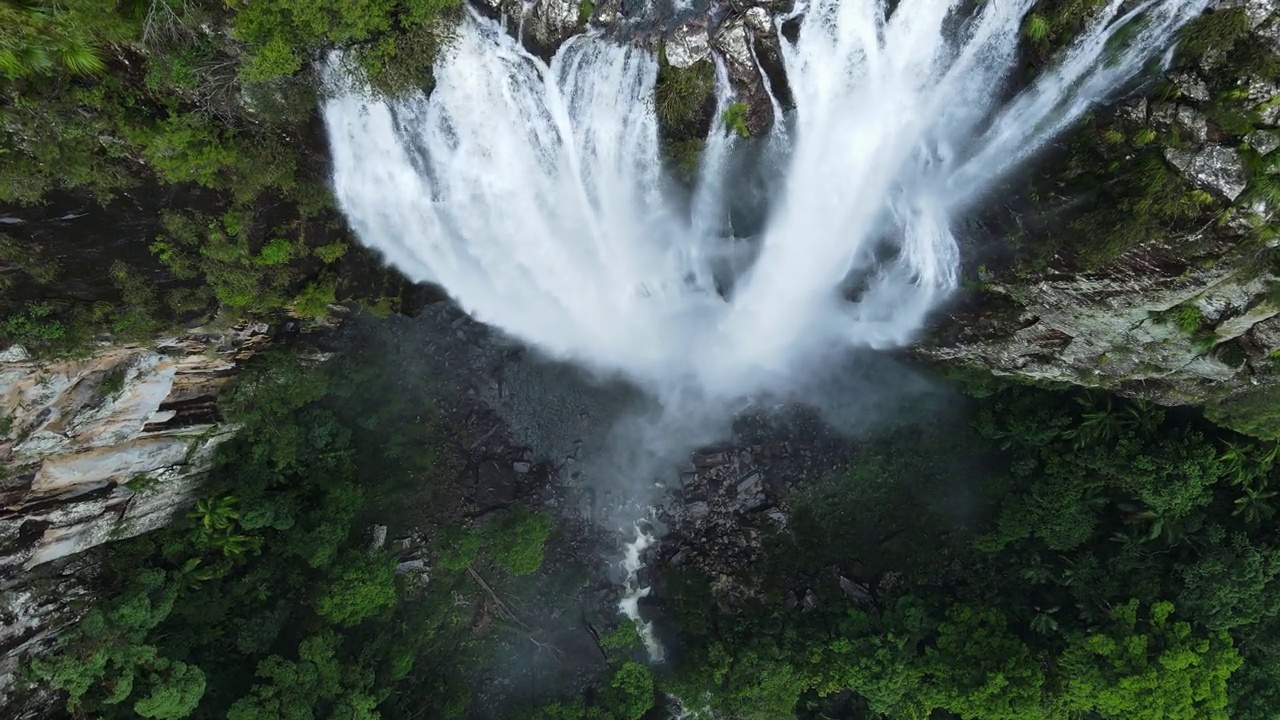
(633, 591)
(535, 194)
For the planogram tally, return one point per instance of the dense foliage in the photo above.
(1116, 561)
(206, 108)
(1123, 565)
(266, 601)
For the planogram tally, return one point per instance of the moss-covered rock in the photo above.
(1145, 254)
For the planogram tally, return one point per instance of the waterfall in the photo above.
(633, 591)
(535, 194)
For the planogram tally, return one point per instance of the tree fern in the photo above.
(81, 60)
(38, 38)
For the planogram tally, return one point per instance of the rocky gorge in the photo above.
(1108, 321)
(1183, 311)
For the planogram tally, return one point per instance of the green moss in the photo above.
(1217, 30)
(1265, 189)
(142, 483)
(1256, 413)
(1205, 342)
(1132, 203)
(1036, 28)
(683, 157)
(1232, 115)
(113, 382)
(682, 98)
(277, 251)
(1253, 56)
(1113, 136)
(30, 258)
(734, 118)
(382, 307)
(331, 252)
(1273, 293)
(1055, 23)
(1187, 318)
(315, 299)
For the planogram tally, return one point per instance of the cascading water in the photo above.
(633, 591)
(535, 194)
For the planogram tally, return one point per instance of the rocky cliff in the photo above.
(93, 450)
(1157, 229)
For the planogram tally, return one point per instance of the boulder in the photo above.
(1263, 141)
(1134, 111)
(689, 43)
(1266, 93)
(552, 22)
(1193, 124)
(1215, 168)
(1190, 85)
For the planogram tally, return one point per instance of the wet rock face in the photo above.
(1216, 169)
(552, 21)
(736, 41)
(1119, 326)
(1180, 319)
(94, 450)
(731, 497)
(689, 44)
(109, 446)
(741, 32)
(33, 611)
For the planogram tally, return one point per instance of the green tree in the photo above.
(109, 657)
(175, 695)
(1150, 668)
(318, 679)
(362, 587)
(629, 694)
(978, 668)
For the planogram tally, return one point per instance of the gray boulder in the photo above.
(689, 44)
(1264, 141)
(1215, 168)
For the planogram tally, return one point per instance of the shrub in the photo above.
(518, 542)
(1036, 28)
(1187, 318)
(682, 97)
(735, 119)
(362, 588)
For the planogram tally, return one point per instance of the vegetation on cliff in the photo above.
(1122, 562)
(209, 108)
(269, 600)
